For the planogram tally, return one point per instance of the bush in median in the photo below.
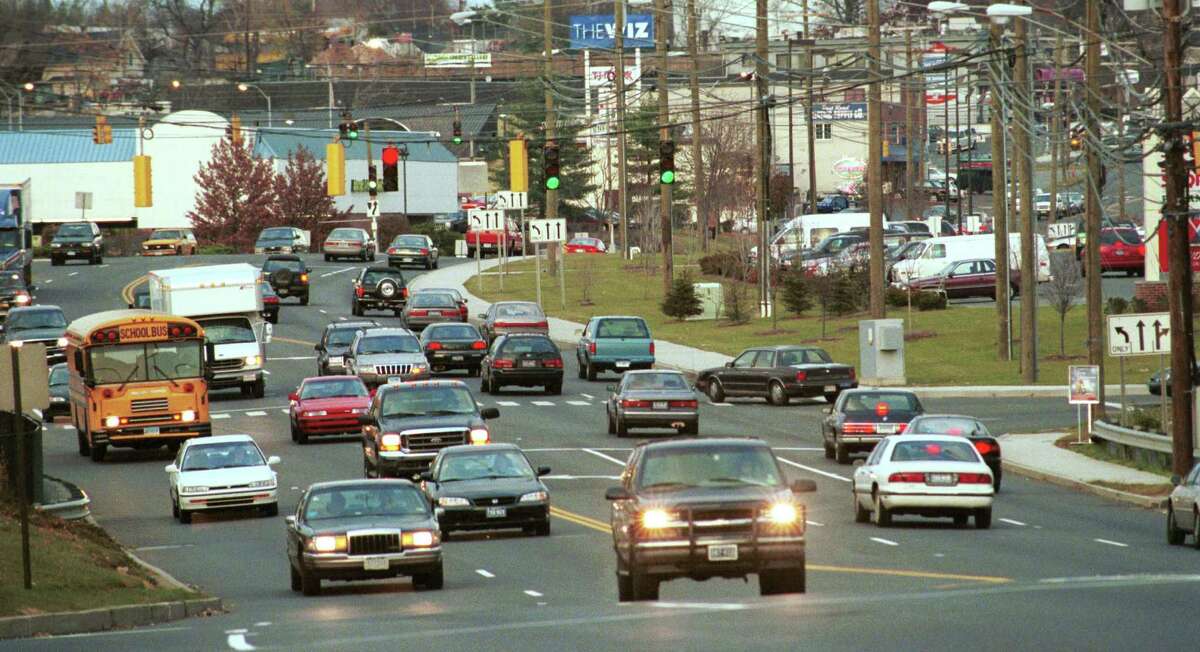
(682, 302)
(797, 293)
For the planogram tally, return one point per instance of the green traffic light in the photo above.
(667, 177)
(372, 184)
(552, 183)
(458, 140)
(353, 134)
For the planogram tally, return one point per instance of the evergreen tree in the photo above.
(797, 295)
(682, 301)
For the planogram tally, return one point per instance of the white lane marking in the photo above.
(341, 319)
(886, 542)
(293, 357)
(1111, 543)
(533, 594)
(73, 274)
(102, 266)
(237, 641)
(248, 410)
(49, 280)
(580, 477)
(285, 411)
(219, 415)
(1011, 522)
(543, 403)
(322, 311)
(604, 457)
(123, 632)
(817, 471)
(256, 413)
(815, 523)
(485, 573)
(709, 402)
(578, 403)
(720, 606)
(171, 547)
(68, 427)
(338, 271)
(265, 623)
(587, 396)
(266, 372)
(507, 403)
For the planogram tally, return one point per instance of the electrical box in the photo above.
(711, 297)
(881, 352)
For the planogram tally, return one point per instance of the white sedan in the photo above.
(225, 472)
(926, 475)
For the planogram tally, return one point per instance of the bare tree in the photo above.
(191, 25)
(1062, 291)
(727, 147)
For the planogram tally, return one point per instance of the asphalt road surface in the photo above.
(1058, 569)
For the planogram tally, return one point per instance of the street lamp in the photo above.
(176, 84)
(243, 87)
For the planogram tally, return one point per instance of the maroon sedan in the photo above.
(1122, 250)
(328, 405)
(967, 278)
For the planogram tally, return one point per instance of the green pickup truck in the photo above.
(614, 343)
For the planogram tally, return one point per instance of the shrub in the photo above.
(797, 293)
(1138, 304)
(1116, 305)
(839, 292)
(726, 264)
(896, 297)
(443, 238)
(926, 300)
(215, 249)
(736, 302)
(682, 301)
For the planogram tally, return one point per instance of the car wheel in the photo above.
(55, 262)
(782, 581)
(645, 587)
(828, 448)
(178, 251)
(882, 515)
(304, 299)
(542, 529)
(185, 516)
(431, 581)
(328, 258)
(301, 436)
(258, 388)
(622, 429)
(1196, 531)
(174, 508)
(435, 263)
(612, 429)
(484, 385)
(840, 453)
(309, 585)
(715, 393)
(271, 510)
(776, 394)
(692, 428)
(579, 370)
(356, 309)
(97, 452)
(428, 265)
(1174, 534)
(368, 472)
(996, 480)
(295, 438)
(861, 514)
(590, 372)
(84, 448)
(831, 397)
(960, 520)
(555, 389)
(983, 518)
(296, 586)
(624, 588)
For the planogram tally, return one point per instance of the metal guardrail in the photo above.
(1135, 440)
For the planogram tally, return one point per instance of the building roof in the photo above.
(65, 146)
(279, 142)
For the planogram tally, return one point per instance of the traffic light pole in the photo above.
(664, 136)
(371, 192)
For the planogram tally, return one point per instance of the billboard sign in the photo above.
(844, 111)
(599, 31)
(458, 60)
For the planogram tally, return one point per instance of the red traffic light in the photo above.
(391, 155)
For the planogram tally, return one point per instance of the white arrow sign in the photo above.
(1141, 334)
(480, 219)
(507, 200)
(372, 209)
(541, 231)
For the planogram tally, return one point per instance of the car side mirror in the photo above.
(482, 315)
(489, 413)
(803, 486)
(859, 462)
(290, 520)
(273, 460)
(426, 476)
(1175, 480)
(318, 347)
(543, 470)
(366, 420)
(293, 396)
(729, 364)
(308, 270)
(616, 493)
(171, 468)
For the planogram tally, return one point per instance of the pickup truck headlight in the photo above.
(262, 484)
(535, 497)
(654, 519)
(327, 543)
(193, 489)
(783, 513)
(480, 436)
(419, 369)
(55, 245)
(453, 501)
(62, 341)
(187, 416)
(390, 442)
(418, 539)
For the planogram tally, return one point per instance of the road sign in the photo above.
(541, 231)
(1060, 230)
(479, 219)
(83, 200)
(507, 200)
(1141, 334)
(1083, 384)
(372, 209)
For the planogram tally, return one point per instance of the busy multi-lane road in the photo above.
(1057, 569)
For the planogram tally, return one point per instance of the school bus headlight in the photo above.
(112, 421)
(187, 416)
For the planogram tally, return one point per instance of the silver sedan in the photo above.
(653, 398)
(425, 308)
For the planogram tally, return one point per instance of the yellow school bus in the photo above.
(136, 381)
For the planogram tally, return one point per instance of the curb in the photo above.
(1145, 502)
(99, 620)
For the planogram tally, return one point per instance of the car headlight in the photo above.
(315, 413)
(327, 543)
(653, 519)
(419, 369)
(480, 436)
(193, 489)
(55, 245)
(535, 497)
(259, 484)
(783, 513)
(453, 501)
(112, 421)
(253, 360)
(418, 539)
(390, 442)
(358, 411)
(62, 341)
(21, 299)
(187, 416)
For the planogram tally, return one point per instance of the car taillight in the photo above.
(304, 278)
(504, 324)
(424, 251)
(553, 363)
(1141, 250)
(462, 312)
(591, 348)
(901, 428)
(858, 428)
(882, 409)
(801, 376)
(974, 478)
(684, 404)
(632, 403)
(478, 345)
(404, 292)
(986, 447)
(392, 250)
(651, 347)
(541, 324)
(918, 478)
(418, 313)
(852, 376)
(434, 346)
(502, 363)
(359, 291)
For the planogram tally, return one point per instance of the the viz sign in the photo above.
(1140, 334)
(1193, 240)
(599, 31)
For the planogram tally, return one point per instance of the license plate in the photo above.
(623, 364)
(529, 363)
(496, 512)
(72, 253)
(831, 388)
(727, 552)
(375, 563)
(249, 377)
(392, 380)
(152, 430)
(660, 405)
(885, 428)
(406, 260)
(335, 360)
(941, 479)
(456, 358)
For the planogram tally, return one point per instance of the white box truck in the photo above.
(227, 300)
(934, 254)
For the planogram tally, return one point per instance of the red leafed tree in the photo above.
(301, 195)
(237, 197)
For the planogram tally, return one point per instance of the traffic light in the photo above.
(372, 181)
(234, 130)
(666, 162)
(348, 128)
(457, 131)
(518, 166)
(143, 189)
(550, 169)
(335, 159)
(391, 180)
(102, 132)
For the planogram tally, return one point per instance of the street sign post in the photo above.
(1139, 334)
(479, 219)
(542, 231)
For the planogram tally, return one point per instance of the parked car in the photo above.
(270, 303)
(586, 246)
(378, 288)
(425, 308)
(222, 472)
(327, 405)
(77, 241)
(861, 418)
(968, 278)
(385, 355)
(454, 346)
(349, 242)
(523, 359)
(288, 276)
(707, 508)
(60, 393)
(458, 297)
(13, 293)
(363, 530)
(282, 240)
(413, 249)
(1163, 377)
(778, 374)
(971, 428)
(1183, 508)
(652, 399)
(1122, 250)
(833, 204)
(488, 487)
(41, 324)
(928, 475)
(513, 317)
(335, 344)
(614, 343)
(168, 242)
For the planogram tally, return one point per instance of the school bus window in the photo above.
(170, 361)
(131, 363)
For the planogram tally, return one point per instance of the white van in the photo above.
(806, 231)
(932, 255)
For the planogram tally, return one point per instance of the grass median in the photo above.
(75, 565)
(956, 346)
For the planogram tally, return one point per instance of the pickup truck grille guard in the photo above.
(688, 515)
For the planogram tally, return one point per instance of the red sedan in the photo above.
(586, 246)
(328, 405)
(1122, 250)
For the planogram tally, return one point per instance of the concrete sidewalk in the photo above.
(1037, 457)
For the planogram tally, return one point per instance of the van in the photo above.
(932, 255)
(806, 231)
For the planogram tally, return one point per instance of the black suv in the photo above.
(335, 345)
(379, 288)
(77, 241)
(408, 423)
(288, 276)
(721, 508)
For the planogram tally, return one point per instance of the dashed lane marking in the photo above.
(718, 606)
(293, 357)
(543, 403)
(288, 340)
(236, 639)
(587, 396)
(817, 471)
(582, 403)
(256, 413)
(533, 594)
(338, 271)
(1111, 543)
(886, 542)
(73, 274)
(219, 415)
(1011, 522)
(485, 573)
(815, 523)
(508, 403)
(322, 311)
(602, 456)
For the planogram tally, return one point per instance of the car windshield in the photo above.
(433, 399)
(74, 230)
(1122, 235)
(58, 374)
(346, 234)
(342, 336)
(519, 345)
(1043, 197)
(276, 265)
(452, 292)
(518, 310)
(228, 455)
(388, 344)
(451, 332)
(353, 501)
(164, 235)
(485, 465)
(791, 357)
(873, 402)
(275, 234)
(934, 451)
(409, 241)
(635, 328)
(23, 320)
(132, 363)
(433, 300)
(228, 330)
(708, 466)
(371, 278)
(662, 380)
(332, 388)
(964, 426)
(9, 239)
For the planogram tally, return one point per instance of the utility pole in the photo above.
(970, 149)
(1179, 287)
(764, 162)
(1095, 300)
(999, 190)
(1023, 121)
(1055, 130)
(808, 118)
(791, 68)
(697, 161)
(875, 162)
(551, 208)
(910, 170)
(622, 173)
(957, 152)
(662, 20)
